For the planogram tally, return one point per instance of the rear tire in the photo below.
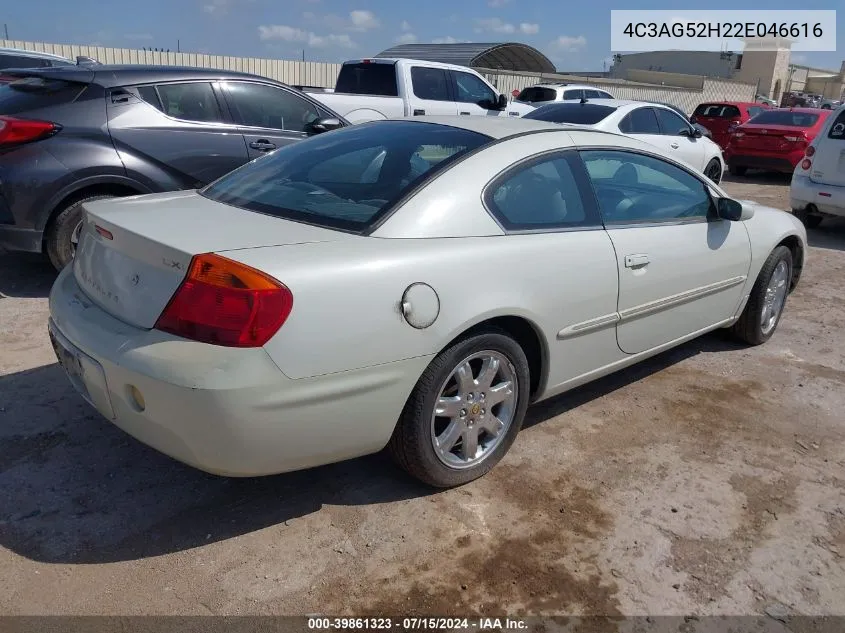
(737, 170)
(809, 220)
(420, 443)
(63, 234)
(762, 313)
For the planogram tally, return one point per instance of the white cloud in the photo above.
(407, 38)
(570, 44)
(445, 40)
(493, 25)
(529, 28)
(405, 26)
(216, 7)
(138, 37)
(308, 15)
(363, 20)
(497, 3)
(291, 34)
(799, 59)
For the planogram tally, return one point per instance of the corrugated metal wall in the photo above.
(323, 75)
(292, 72)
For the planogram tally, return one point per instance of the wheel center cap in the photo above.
(476, 409)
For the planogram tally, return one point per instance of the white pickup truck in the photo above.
(371, 89)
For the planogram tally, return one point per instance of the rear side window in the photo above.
(640, 121)
(535, 94)
(430, 83)
(596, 94)
(347, 179)
(189, 102)
(785, 117)
(837, 130)
(582, 113)
(717, 111)
(22, 61)
(573, 94)
(368, 79)
(33, 93)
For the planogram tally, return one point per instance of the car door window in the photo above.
(470, 89)
(260, 105)
(189, 101)
(671, 124)
(595, 94)
(572, 94)
(640, 121)
(635, 188)
(431, 84)
(754, 111)
(541, 195)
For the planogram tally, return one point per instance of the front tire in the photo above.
(464, 412)
(63, 233)
(764, 309)
(737, 170)
(714, 170)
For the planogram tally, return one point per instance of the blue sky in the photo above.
(573, 33)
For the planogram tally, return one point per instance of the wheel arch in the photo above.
(796, 247)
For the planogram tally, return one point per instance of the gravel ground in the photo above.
(708, 480)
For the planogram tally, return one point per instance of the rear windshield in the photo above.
(345, 179)
(583, 113)
(785, 117)
(32, 93)
(535, 94)
(368, 79)
(837, 130)
(717, 111)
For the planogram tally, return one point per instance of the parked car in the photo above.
(207, 324)
(766, 101)
(703, 130)
(547, 93)
(818, 182)
(830, 104)
(774, 140)
(160, 128)
(656, 124)
(373, 89)
(721, 118)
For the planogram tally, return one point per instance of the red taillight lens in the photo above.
(15, 131)
(810, 151)
(806, 164)
(223, 302)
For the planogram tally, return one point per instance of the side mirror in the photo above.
(696, 133)
(734, 210)
(501, 102)
(325, 124)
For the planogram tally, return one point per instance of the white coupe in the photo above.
(653, 123)
(410, 283)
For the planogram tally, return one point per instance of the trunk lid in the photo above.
(770, 138)
(134, 252)
(829, 160)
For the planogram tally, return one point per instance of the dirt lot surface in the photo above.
(708, 480)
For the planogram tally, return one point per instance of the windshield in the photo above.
(535, 94)
(583, 113)
(346, 179)
(785, 117)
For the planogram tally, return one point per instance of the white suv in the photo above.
(818, 182)
(546, 93)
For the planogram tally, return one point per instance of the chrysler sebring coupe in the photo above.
(411, 284)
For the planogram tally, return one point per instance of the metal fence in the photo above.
(319, 74)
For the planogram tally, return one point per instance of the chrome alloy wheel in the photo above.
(714, 171)
(474, 409)
(775, 297)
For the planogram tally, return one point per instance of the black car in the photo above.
(71, 134)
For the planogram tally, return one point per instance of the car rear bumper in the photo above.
(828, 199)
(16, 239)
(223, 410)
(769, 161)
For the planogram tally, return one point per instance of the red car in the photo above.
(723, 116)
(774, 140)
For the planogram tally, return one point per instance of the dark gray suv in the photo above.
(76, 133)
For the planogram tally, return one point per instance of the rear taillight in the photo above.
(806, 164)
(14, 131)
(810, 151)
(738, 134)
(227, 303)
(792, 139)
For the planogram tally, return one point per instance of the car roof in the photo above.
(110, 76)
(733, 103)
(38, 54)
(567, 86)
(494, 127)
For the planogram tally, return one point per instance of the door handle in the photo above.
(418, 112)
(636, 261)
(262, 145)
(467, 113)
(674, 146)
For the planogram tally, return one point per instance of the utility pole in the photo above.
(178, 48)
(303, 54)
(6, 29)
